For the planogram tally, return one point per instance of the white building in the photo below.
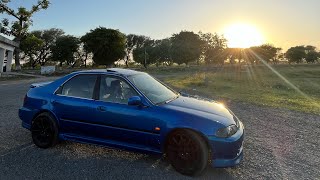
(6, 53)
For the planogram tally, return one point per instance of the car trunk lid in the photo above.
(40, 84)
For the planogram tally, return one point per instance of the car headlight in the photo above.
(227, 131)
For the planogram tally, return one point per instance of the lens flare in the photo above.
(284, 79)
(243, 36)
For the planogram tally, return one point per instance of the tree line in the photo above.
(105, 46)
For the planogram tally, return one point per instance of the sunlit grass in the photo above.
(257, 85)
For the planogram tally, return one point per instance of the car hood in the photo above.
(208, 109)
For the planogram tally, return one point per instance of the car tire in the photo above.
(44, 130)
(187, 152)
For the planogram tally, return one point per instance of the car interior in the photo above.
(115, 90)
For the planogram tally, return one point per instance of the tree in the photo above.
(215, 56)
(160, 53)
(145, 54)
(83, 54)
(64, 49)
(296, 54)
(311, 54)
(213, 49)
(48, 37)
(134, 41)
(186, 47)
(299, 53)
(312, 57)
(30, 46)
(268, 52)
(107, 45)
(21, 23)
(234, 54)
(309, 48)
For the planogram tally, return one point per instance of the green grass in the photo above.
(258, 85)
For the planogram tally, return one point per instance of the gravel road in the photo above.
(279, 144)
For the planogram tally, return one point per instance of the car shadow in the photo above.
(69, 160)
(151, 163)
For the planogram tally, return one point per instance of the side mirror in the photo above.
(135, 101)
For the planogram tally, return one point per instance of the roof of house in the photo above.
(8, 41)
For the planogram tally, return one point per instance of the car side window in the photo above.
(115, 90)
(80, 86)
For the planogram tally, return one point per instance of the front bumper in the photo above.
(227, 152)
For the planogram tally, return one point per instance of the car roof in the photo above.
(119, 71)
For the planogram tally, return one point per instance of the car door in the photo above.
(74, 104)
(132, 125)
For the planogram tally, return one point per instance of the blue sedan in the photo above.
(131, 110)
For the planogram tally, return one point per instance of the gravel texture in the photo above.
(279, 144)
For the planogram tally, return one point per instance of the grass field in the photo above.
(299, 89)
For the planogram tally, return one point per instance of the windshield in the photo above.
(156, 92)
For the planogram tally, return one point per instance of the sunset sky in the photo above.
(284, 23)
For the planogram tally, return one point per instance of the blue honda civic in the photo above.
(131, 110)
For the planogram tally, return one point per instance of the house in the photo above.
(7, 47)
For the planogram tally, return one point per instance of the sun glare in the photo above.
(243, 36)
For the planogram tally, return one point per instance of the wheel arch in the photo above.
(43, 111)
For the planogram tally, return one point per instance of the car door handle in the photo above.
(102, 108)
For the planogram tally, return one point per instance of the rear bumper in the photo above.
(26, 116)
(227, 152)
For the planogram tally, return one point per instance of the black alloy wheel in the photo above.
(187, 152)
(44, 131)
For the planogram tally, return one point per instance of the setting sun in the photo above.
(243, 36)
